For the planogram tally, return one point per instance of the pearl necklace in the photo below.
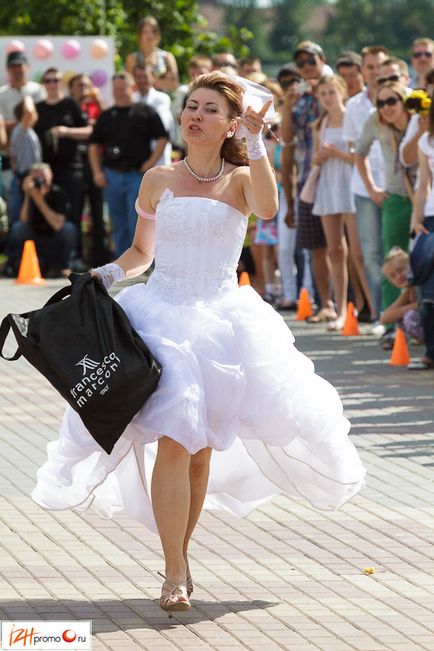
(205, 178)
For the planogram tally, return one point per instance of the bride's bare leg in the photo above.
(199, 473)
(171, 504)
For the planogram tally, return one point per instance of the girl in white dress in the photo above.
(334, 200)
(232, 382)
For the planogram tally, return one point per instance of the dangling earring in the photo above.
(229, 134)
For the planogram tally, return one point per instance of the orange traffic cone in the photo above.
(29, 273)
(351, 325)
(244, 279)
(400, 356)
(304, 309)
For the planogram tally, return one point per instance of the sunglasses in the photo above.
(390, 101)
(51, 80)
(418, 55)
(300, 63)
(382, 80)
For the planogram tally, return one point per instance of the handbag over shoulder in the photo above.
(82, 341)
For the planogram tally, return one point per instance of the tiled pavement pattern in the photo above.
(289, 577)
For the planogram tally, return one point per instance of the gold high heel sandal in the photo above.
(174, 598)
(189, 581)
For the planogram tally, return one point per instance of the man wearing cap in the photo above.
(301, 109)
(11, 94)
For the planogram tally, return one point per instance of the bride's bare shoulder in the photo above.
(154, 182)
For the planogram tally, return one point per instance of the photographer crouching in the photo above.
(43, 220)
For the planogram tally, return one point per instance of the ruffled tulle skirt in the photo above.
(232, 380)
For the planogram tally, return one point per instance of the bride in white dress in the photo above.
(239, 414)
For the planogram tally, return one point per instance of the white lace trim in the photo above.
(109, 273)
(255, 146)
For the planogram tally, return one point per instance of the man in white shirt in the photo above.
(18, 87)
(368, 209)
(147, 94)
(12, 94)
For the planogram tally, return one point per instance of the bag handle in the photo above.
(75, 280)
(5, 327)
(4, 331)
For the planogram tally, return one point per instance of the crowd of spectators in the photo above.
(345, 131)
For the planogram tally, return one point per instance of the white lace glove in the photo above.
(108, 274)
(255, 145)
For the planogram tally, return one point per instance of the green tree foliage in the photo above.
(394, 23)
(184, 31)
(245, 24)
(289, 26)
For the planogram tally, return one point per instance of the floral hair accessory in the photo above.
(418, 101)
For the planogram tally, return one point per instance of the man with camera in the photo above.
(43, 220)
(126, 132)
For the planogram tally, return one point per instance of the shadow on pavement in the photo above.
(408, 448)
(109, 615)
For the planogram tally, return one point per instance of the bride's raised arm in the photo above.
(259, 184)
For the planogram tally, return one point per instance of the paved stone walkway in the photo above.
(288, 577)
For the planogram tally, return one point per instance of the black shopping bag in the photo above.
(84, 344)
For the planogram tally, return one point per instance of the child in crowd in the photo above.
(406, 310)
(25, 151)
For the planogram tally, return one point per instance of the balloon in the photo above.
(15, 46)
(71, 48)
(37, 76)
(67, 75)
(99, 48)
(43, 48)
(99, 78)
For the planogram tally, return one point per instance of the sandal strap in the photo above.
(168, 593)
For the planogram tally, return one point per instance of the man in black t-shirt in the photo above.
(43, 220)
(60, 127)
(125, 131)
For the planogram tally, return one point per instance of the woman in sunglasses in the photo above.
(388, 125)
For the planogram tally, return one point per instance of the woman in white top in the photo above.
(334, 200)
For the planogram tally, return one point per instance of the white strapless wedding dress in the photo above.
(232, 380)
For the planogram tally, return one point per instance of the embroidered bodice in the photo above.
(198, 243)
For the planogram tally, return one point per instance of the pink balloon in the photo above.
(99, 78)
(15, 46)
(43, 48)
(99, 48)
(71, 49)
